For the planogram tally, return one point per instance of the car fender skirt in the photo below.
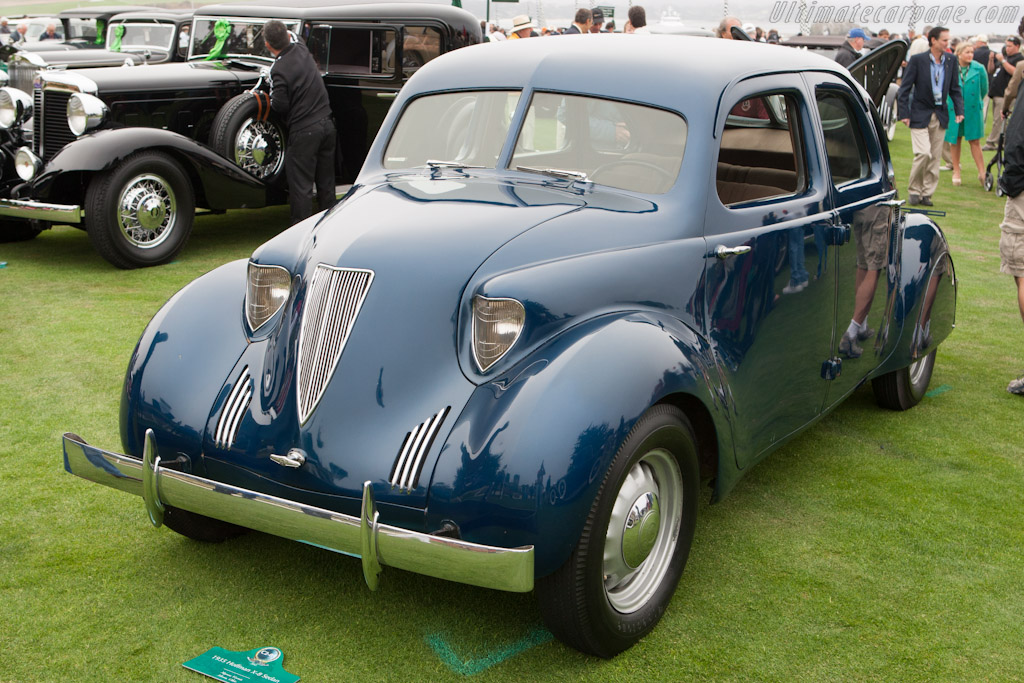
(220, 182)
(378, 544)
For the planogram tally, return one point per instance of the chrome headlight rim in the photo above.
(486, 358)
(259, 313)
(85, 112)
(27, 164)
(15, 107)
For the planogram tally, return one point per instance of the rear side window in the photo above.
(844, 142)
(761, 154)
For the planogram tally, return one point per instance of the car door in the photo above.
(862, 195)
(770, 284)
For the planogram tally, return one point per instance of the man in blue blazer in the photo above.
(930, 77)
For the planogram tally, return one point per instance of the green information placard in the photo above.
(262, 665)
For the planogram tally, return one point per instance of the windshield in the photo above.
(463, 128)
(622, 145)
(141, 35)
(81, 29)
(240, 38)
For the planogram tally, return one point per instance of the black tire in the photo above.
(579, 602)
(18, 231)
(988, 181)
(200, 527)
(904, 388)
(158, 209)
(257, 147)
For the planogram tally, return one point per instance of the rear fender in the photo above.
(525, 459)
(218, 183)
(924, 306)
(181, 363)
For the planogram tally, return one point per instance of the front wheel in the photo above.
(619, 579)
(140, 212)
(904, 388)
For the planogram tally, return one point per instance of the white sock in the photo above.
(853, 329)
(864, 325)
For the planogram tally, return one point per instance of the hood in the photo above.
(96, 57)
(149, 78)
(421, 241)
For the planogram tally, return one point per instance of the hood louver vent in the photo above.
(234, 409)
(406, 473)
(332, 303)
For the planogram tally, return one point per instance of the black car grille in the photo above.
(51, 123)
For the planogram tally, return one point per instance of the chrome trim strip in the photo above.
(26, 208)
(509, 569)
(411, 456)
(234, 410)
(70, 81)
(431, 432)
(334, 298)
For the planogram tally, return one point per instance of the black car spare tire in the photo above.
(240, 134)
(140, 212)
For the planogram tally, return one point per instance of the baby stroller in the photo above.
(996, 161)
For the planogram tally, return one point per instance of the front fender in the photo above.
(218, 183)
(526, 457)
(924, 305)
(181, 361)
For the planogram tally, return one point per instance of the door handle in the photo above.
(387, 95)
(893, 202)
(723, 252)
(295, 458)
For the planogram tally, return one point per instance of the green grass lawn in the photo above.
(876, 546)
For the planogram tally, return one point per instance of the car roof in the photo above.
(165, 14)
(101, 10)
(667, 71)
(327, 9)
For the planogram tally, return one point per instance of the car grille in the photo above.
(405, 474)
(234, 409)
(50, 126)
(21, 75)
(333, 300)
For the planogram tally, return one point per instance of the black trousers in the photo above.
(309, 161)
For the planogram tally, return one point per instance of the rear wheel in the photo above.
(255, 146)
(619, 579)
(904, 388)
(140, 212)
(200, 527)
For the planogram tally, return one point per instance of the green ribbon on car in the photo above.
(221, 30)
(115, 43)
(101, 30)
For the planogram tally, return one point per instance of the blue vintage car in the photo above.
(576, 278)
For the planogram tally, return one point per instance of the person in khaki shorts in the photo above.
(1011, 241)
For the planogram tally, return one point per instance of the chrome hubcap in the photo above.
(146, 211)
(259, 148)
(917, 369)
(643, 531)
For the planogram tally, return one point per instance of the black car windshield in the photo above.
(81, 28)
(220, 37)
(452, 129)
(140, 35)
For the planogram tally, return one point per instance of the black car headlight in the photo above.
(497, 324)
(266, 293)
(85, 112)
(15, 107)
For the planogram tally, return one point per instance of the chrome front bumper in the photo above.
(509, 569)
(41, 211)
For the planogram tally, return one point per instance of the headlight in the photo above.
(266, 293)
(85, 112)
(27, 164)
(497, 324)
(15, 107)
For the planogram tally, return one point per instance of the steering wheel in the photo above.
(667, 177)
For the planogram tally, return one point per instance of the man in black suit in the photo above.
(582, 22)
(929, 79)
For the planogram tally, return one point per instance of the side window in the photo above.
(761, 154)
(361, 51)
(421, 44)
(844, 143)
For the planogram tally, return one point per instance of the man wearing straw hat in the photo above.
(522, 27)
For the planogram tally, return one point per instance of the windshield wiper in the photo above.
(434, 163)
(556, 172)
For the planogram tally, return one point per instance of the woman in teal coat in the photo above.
(974, 84)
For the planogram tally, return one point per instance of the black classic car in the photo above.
(129, 154)
(143, 37)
